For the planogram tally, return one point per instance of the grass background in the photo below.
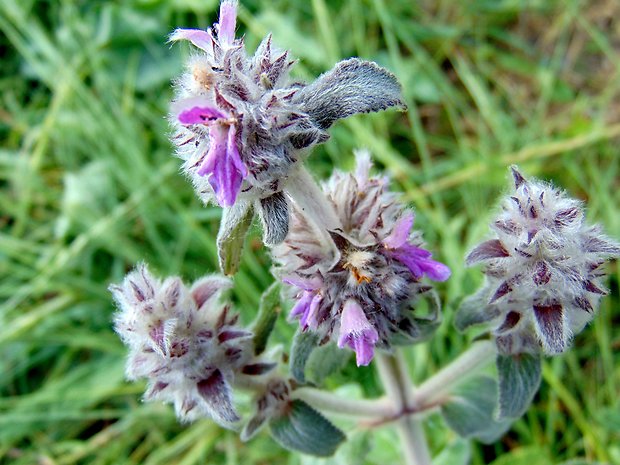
(88, 188)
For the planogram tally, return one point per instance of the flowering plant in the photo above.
(349, 265)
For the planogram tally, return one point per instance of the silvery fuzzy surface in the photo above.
(270, 122)
(185, 342)
(544, 269)
(353, 263)
(258, 92)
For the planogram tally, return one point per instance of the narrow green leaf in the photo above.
(303, 429)
(303, 345)
(268, 311)
(469, 412)
(519, 380)
(234, 226)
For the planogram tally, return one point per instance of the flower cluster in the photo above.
(543, 270)
(185, 342)
(242, 126)
(357, 283)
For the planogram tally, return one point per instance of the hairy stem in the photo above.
(479, 355)
(388, 372)
(310, 198)
(380, 409)
(413, 441)
(399, 387)
(332, 403)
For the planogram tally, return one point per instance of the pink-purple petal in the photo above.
(233, 151)
(400, 233)
(357, 332)
(435, 270)
(303, 304)
(310, 319)
(217, 151)
(200, 115)
(199, 38)
(364, 351)
(223, 165)
(227, 22)
(419, 262)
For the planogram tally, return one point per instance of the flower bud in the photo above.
(185, 342)
(543, 269)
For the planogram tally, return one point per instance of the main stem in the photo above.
(398, 386)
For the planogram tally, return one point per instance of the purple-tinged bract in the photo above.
(356, 284)
(543, 267)
(185, 342)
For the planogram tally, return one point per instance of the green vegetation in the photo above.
(89, 188)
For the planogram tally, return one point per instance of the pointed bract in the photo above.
(216, 393)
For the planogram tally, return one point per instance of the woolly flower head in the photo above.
(184, 342)
(241, 125)
(543, 270)
(357, 283)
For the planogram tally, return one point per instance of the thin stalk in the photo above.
(310, 198)
(333, 403)
(479, 355)
(379, 409)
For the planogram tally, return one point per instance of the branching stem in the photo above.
(398, 385)
(333, 403)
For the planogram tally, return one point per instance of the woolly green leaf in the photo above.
(303, 429)
(469, 412)
(519, 380)
(303, 345)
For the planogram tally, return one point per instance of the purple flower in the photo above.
(357, 275)
(185, 342)
(357, 333)
(415, 258)
(243, 127)
(222, 163)
(543, 271)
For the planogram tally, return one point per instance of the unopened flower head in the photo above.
(357, 284)
(241, 125)
(543, 269)
(185, 342)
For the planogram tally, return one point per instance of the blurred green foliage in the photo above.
(89, 188)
